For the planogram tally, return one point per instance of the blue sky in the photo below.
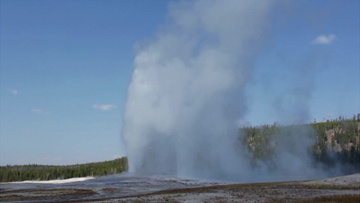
(66, 65)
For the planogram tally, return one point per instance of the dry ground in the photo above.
(339, 189)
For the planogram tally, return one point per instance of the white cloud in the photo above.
(323, 39)
(39, 111)
(104, 107)
(13, 91)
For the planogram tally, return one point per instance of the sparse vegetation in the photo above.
(45, 172)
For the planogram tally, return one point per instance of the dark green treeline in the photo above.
(336, 143)
(45, 172)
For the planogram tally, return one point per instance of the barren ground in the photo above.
(338, 189)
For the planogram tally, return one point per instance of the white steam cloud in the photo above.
(186, 95)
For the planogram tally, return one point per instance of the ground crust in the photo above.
(339, 189)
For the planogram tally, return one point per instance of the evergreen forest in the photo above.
(47, 172)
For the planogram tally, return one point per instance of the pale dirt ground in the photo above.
(349, 180)
(337, 189)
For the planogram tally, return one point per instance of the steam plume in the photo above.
(187, 92)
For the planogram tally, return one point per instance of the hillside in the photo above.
(335, 143)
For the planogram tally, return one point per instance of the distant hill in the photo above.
(47, 172)
(336, 142)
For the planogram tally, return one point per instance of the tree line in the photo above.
(336, 142)
(48, 172)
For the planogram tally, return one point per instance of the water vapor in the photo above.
(187, 93)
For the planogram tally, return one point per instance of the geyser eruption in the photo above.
(187, 91)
